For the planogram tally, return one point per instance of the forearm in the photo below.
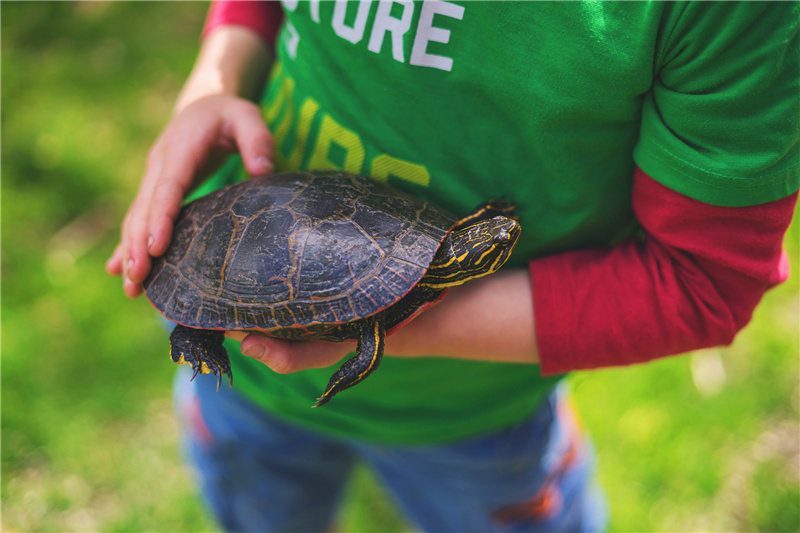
(487, 319)
(232, 60)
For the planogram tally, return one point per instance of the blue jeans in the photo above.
(260, 473)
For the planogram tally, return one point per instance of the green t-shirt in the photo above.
(550, 104)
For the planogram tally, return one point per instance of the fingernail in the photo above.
(150, 241)
(265, 163)
(130, 264)
(255, 351)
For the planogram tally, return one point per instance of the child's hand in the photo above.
(197, 135)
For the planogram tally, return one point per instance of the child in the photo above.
(651, 149)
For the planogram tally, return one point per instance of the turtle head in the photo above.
(473, 251)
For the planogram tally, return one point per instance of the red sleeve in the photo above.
(262, 17)
(693, 282)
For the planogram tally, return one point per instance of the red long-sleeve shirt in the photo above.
(264, 18)
(693, 282)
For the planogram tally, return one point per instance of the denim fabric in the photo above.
(259, 473)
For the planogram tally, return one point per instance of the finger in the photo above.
(167, 201)
(185, 153)
(284, 356)
(114, 263)
(135, 257)
(125, 260)
(137, 265)
(252, 137)
(132, 290)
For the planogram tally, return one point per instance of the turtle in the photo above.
(325, 255)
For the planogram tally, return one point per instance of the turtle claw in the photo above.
(203, 350)
(219, 372)
(322, 400)
(356, 369)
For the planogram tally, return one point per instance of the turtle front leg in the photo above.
(356, 369)
(203, 349)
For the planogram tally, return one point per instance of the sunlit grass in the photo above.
(707, 442)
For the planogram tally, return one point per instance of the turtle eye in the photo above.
(501, 238)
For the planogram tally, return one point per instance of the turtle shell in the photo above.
(294, 250)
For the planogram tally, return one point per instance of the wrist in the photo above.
(233, 60)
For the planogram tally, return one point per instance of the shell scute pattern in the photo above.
(259, 200)
(301, 250)
(185, 227)
(262, 267)
(398, 274)
(205, 260)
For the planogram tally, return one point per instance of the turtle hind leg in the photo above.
(356, 369)
(203, 349)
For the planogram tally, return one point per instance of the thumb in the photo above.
(285, 356)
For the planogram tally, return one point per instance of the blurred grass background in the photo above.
(705, 442)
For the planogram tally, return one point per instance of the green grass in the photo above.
(706, 442)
